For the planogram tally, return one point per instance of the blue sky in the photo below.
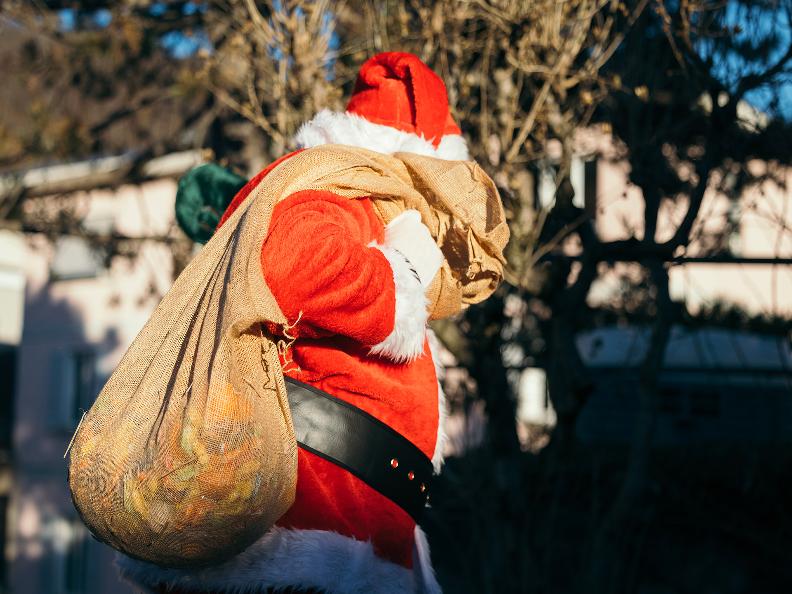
(179, 44)
(728, 68)
(755, 24)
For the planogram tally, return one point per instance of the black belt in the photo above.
(361, 444)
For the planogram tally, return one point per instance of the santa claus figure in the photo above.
(355, 290)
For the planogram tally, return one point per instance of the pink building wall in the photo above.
(98, 315)
(764, 213)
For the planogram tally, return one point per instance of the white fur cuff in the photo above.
(406, 341)
(407, 234)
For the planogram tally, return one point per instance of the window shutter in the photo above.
(63, 391)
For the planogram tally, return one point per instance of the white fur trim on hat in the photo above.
(453, 147)
(330, 127)
(316, 559)
(406, 340)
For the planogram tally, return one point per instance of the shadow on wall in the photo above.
(59, 373)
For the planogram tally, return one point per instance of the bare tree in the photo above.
(521, 76)
(684, 126)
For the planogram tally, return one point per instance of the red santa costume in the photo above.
(355, 292)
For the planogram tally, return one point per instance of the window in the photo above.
(582, 175)
(705, 403)
(75, 386)
(590, 187)
(74, 259)
(12, 305)
(689, 401)
(671, 400)
(545, 185)
(7, 387)
(533, 403)
(734, 224)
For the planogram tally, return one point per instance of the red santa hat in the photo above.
(398, 105)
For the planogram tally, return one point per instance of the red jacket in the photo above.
(346, 294)
(319, 264)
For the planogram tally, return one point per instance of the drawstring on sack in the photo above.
(285, 345)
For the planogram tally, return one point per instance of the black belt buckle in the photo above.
(362, 444)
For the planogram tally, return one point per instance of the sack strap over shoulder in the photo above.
(365, 446)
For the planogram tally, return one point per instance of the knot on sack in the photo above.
(284, 346)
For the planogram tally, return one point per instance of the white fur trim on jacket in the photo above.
(406, 340)
(314, 559)
(331, 127)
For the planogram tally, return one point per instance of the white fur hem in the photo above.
(330, 127)
(425, 580)
(442, 405)
(282, 558)
(406, 340)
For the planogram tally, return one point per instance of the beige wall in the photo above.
(765, 221)
(100, 315)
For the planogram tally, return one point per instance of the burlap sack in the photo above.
(188, 454)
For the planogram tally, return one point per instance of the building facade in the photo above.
(715, 379)
(68, 316)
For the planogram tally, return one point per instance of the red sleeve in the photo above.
(317, 261)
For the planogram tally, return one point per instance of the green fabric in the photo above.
(203, 195)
